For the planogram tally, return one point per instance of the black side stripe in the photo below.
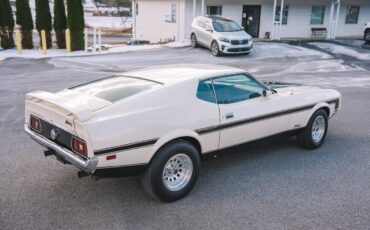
(255, 119)
(136, 145)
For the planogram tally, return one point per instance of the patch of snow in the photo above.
(320, 66)
(126, 48)
(339, 49)
(108, 22)
(179, 44)
(37, 54)
(286, 50)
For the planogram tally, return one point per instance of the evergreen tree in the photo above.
(76, 24)
(43, 20)
(24, 19)
(6, 25)
(60, 23)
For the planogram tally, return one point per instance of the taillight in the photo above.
(79, 146)
(36, 124)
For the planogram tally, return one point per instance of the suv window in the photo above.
(205, 91)
(236, 88)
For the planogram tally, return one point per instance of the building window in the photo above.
(172, 18)
(285, 14)
(352, 14)
(317, 15)
(173, 12)
(214, 10)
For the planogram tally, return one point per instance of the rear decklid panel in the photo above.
(64, 110)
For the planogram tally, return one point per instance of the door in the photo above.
(251, 19)
(204, 34)
(245, 114)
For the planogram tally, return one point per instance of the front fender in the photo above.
(317, 107)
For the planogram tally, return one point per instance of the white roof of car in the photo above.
(170, 74)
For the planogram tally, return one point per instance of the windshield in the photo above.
(226, 26)
(115, 88)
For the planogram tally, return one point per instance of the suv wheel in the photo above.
(194, 42)
(367, 35)
(313, 136)
(215, 49)
(173, 171)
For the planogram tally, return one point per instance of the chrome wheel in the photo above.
(214, 48)
(177, 172)
(318, 129)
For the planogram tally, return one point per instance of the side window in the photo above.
(236, 88)
(205, 91)
(208, 26)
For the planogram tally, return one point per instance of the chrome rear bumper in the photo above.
(87, 165)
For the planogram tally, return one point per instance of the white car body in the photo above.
(235, 42)
(133, 129)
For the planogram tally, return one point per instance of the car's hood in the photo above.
(235, 35)
(296, 89)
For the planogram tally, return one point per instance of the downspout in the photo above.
(281, 17)
(337, 19)
(133, 8)
(273, 21)
(331, 21)
(178, 20)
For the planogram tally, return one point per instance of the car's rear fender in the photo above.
(178, 134)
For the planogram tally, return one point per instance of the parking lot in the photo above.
(272, 186)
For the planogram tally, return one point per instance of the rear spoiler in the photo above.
(80, 105)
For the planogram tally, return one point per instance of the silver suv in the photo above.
(221, 35)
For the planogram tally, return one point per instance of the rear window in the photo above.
(115, 88)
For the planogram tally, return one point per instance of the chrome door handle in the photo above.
(229, 115)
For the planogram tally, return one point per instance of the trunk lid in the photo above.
(62, 108)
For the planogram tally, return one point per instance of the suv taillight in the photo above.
(36, 124)
(79, 146)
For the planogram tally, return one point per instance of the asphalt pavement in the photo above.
(272, 186)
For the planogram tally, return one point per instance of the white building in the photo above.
(162, 20)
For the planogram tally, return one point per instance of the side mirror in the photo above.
(264, 93)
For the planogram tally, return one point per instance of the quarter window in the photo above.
(236, 88)
(214, 10)
(205, 91)
(352, 14)
(317, 15)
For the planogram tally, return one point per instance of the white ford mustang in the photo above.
(160, 122)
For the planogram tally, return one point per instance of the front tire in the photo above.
(194, 41)
(215, 49)
(367, 36)
(173, 171)
(313, 136)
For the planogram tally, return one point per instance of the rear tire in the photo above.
(194, 41)
(215, 49)
(173, 171)
(313, 136)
